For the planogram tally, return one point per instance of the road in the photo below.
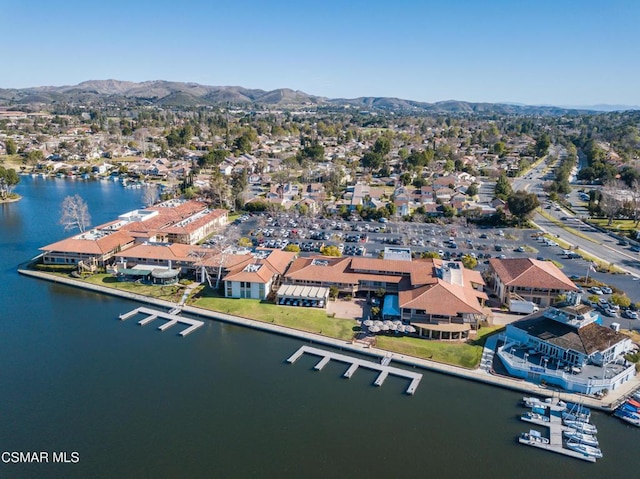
(601, 245)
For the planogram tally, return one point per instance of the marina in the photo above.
(563, 439)
(384, 368)
(171, 316)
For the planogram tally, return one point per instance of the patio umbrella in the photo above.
(368, 323)
(384, 327)
(397, 322)
(393, 327)
(400, 328)
(388, 323)
(374, 329)
(410, 329)
(378, 323)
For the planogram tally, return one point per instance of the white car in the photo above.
(606, 290)
(595, 290)
(630, 314)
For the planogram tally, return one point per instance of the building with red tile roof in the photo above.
(540, 282)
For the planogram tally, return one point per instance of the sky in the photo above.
(552, 52)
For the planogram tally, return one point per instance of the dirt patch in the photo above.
(352, 309)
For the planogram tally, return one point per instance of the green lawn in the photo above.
(466, 355)
(616, 225)
(171, 293)
(305, 319)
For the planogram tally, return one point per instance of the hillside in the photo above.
(179, 94)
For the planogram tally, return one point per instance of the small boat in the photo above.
(584, 449)
(583, 438)
(578, 411)
(629, 408)
(539, 410)
(633, 402)
(535, 402)
(572, 417)
(534, 417)
(532, 437)
(580, 426)
(626, 416)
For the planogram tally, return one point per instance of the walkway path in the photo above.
(608, 403)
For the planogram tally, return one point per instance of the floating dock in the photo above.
(355, 363)
(171, 317)
(556, 428)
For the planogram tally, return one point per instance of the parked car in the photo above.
(635, 249)
(630, 314)
(595, 290)
(606, 290)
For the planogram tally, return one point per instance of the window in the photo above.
(261, 290)
(229, 289)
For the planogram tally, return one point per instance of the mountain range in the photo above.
(179, 94)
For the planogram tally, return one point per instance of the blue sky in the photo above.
(528, 51)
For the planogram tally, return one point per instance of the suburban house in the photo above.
(540, 282)
(260, 276)
(565, 346)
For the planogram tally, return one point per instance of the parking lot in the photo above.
(361, 238)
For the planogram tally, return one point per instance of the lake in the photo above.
(222, 402)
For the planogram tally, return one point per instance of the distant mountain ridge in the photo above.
(185, 94)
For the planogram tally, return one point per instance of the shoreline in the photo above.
(478, 375)
(10, 200)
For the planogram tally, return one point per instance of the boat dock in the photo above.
(556, 428)
(171, 317)
(384, 369)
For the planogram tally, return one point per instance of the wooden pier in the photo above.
(384, 369)
(556, 428)
(171, 317)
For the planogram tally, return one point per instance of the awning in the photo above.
(445, 327)
(391, 306)
(134, 272)
(165, 273)
(303, 292)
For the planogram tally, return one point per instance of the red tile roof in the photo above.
(531, 273)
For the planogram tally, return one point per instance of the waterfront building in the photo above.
(540, 282)
(173, 221)
(565, 346)
(260, 276)
(442, 299)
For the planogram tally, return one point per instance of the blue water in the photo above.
(222, 402)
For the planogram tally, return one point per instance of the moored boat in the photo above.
(633, 402)
(580, 437)
(580, 426)
(536, 402)
(578, 411)
(532, 437)
(627, 416)
(534, 417)
(585, 449)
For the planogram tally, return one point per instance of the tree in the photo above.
(503, 188)
(8, 180)
(472, 190)
(542, 145)
(75, 213)
(333, 291)
(11, 147)
(621, 300)
(430, 254)
(292, 248)
(330, 251)
(244, 242)
(219, 190)
(469, 261)
(150, 195)
(521, 204)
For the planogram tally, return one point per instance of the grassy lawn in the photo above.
(616, 225)
(168, 293)
(466, 355)
(305, 319)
